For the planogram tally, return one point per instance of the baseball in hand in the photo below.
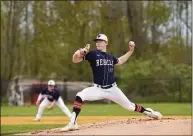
(132, 43)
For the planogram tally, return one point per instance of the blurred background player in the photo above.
(105, 86)
(51, 97)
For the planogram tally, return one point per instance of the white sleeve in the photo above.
(39, 97)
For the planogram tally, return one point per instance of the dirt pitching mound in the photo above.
(133, 126)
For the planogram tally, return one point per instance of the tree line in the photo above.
(38, 38)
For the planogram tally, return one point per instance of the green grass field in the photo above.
(167, 109)
(100, 110)
(14, 129)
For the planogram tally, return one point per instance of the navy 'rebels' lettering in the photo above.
(102, 65)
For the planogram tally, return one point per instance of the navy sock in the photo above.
(77, 105)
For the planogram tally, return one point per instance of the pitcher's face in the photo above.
(101, 45)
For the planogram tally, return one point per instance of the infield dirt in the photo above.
(110, 125)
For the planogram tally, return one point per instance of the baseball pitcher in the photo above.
(105, 87)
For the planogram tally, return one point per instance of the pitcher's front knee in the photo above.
(80, 95)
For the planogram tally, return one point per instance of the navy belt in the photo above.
(105, 87)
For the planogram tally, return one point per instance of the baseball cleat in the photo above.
(71, 126)
(152, 114)
(36, 119)
(76, 126)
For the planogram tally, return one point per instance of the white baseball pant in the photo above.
(59, 103)
(113, 94)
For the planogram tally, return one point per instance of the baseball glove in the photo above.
(86, 48)
(84, 51)
(50, 107)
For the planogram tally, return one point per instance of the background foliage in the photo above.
(38, 38)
